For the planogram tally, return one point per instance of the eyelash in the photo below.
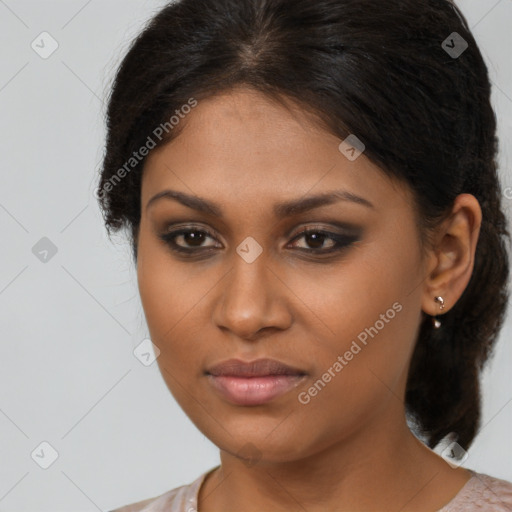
(342, 242)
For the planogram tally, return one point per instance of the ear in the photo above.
(450, 263)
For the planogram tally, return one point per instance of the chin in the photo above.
(259, 443)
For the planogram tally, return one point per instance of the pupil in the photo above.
(316, 238)
(194, 237)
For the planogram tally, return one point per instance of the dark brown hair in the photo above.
(372, 68)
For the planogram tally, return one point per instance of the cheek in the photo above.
(165, 301)
(162, 284)
(361, 372)
(366, 311)
(173, 296)
(365, 296)
(163, 290)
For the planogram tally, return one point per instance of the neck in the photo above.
(383, 467)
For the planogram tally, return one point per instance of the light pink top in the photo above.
(480, 493)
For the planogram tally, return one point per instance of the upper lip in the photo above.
(257, 368)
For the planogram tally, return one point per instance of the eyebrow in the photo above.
(281, 210)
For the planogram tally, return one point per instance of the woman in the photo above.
(311, 192)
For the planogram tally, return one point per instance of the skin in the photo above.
(349, 448)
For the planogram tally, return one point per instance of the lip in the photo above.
(255, 382)
(257, 368)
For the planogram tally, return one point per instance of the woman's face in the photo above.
(341, 305)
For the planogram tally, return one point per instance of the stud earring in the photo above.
(435, 322)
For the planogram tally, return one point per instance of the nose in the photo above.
(252, 300)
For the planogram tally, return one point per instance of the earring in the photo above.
(435, 322)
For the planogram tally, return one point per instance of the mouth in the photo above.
(253, 383)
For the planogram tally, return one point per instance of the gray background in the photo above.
(68, 375)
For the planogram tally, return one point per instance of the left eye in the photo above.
(315, 239)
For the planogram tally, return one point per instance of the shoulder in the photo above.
(496, 490)
(482, 492)
(153, 504)
(180, 499)
(136, 507)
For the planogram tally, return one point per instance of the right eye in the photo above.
(187, 240)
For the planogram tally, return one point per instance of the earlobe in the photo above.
(455, 256)
(435, 321)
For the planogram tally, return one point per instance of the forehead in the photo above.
(241, 144)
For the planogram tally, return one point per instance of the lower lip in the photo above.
(254, 390)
